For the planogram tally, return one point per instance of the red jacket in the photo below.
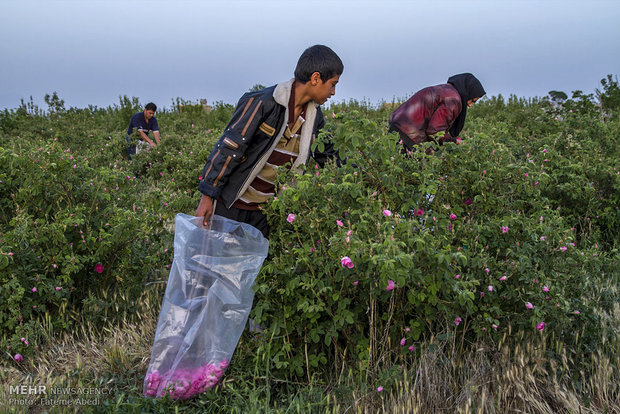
(429, 111)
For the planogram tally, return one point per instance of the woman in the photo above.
(436, 108)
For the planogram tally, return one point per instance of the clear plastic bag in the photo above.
(206, 305)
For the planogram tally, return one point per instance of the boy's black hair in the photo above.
(150, 107)
(318, 58)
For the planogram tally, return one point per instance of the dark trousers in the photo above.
(253, 218)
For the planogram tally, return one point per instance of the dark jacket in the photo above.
(427, 112)
(436, 108)
(249, 139)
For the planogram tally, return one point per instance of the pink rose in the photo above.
(18, 357)
(387, 213)
(529, 305)
(452, 216)
(99, 268)
(290, 218)
(347, 262)
(390, 285)
(540, 326)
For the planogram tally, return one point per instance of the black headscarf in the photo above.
(468, 88)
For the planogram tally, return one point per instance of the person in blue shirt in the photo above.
(139, 127)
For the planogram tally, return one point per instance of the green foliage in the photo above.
(73, 202)
(528, 200)
(609, 97)
(56, 105)
(127, 107)
(257, 87)
(558, 96)
(525, 210)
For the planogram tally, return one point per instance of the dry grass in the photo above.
(515, 375)
(84, 358)
(500, 380)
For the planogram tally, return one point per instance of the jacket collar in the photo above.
(282, 93)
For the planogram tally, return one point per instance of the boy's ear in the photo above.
(315, 79)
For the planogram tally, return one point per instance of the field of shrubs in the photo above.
(480, 276)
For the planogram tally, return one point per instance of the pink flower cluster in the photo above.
(185, 383)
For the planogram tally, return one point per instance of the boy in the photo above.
(270, 128)
(143, 123)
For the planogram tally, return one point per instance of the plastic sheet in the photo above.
(206, 305)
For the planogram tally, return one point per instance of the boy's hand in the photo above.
(205, 209)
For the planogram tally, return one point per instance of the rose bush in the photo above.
(81, 225)
(513, 228)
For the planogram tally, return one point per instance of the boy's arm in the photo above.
(145, 137)
(156, 130)
(205, 209)
(232, 145)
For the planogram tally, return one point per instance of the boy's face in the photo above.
(148, 114)
(322, 91)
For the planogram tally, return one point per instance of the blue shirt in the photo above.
(138, 121)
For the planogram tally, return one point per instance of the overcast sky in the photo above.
(91, 52)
